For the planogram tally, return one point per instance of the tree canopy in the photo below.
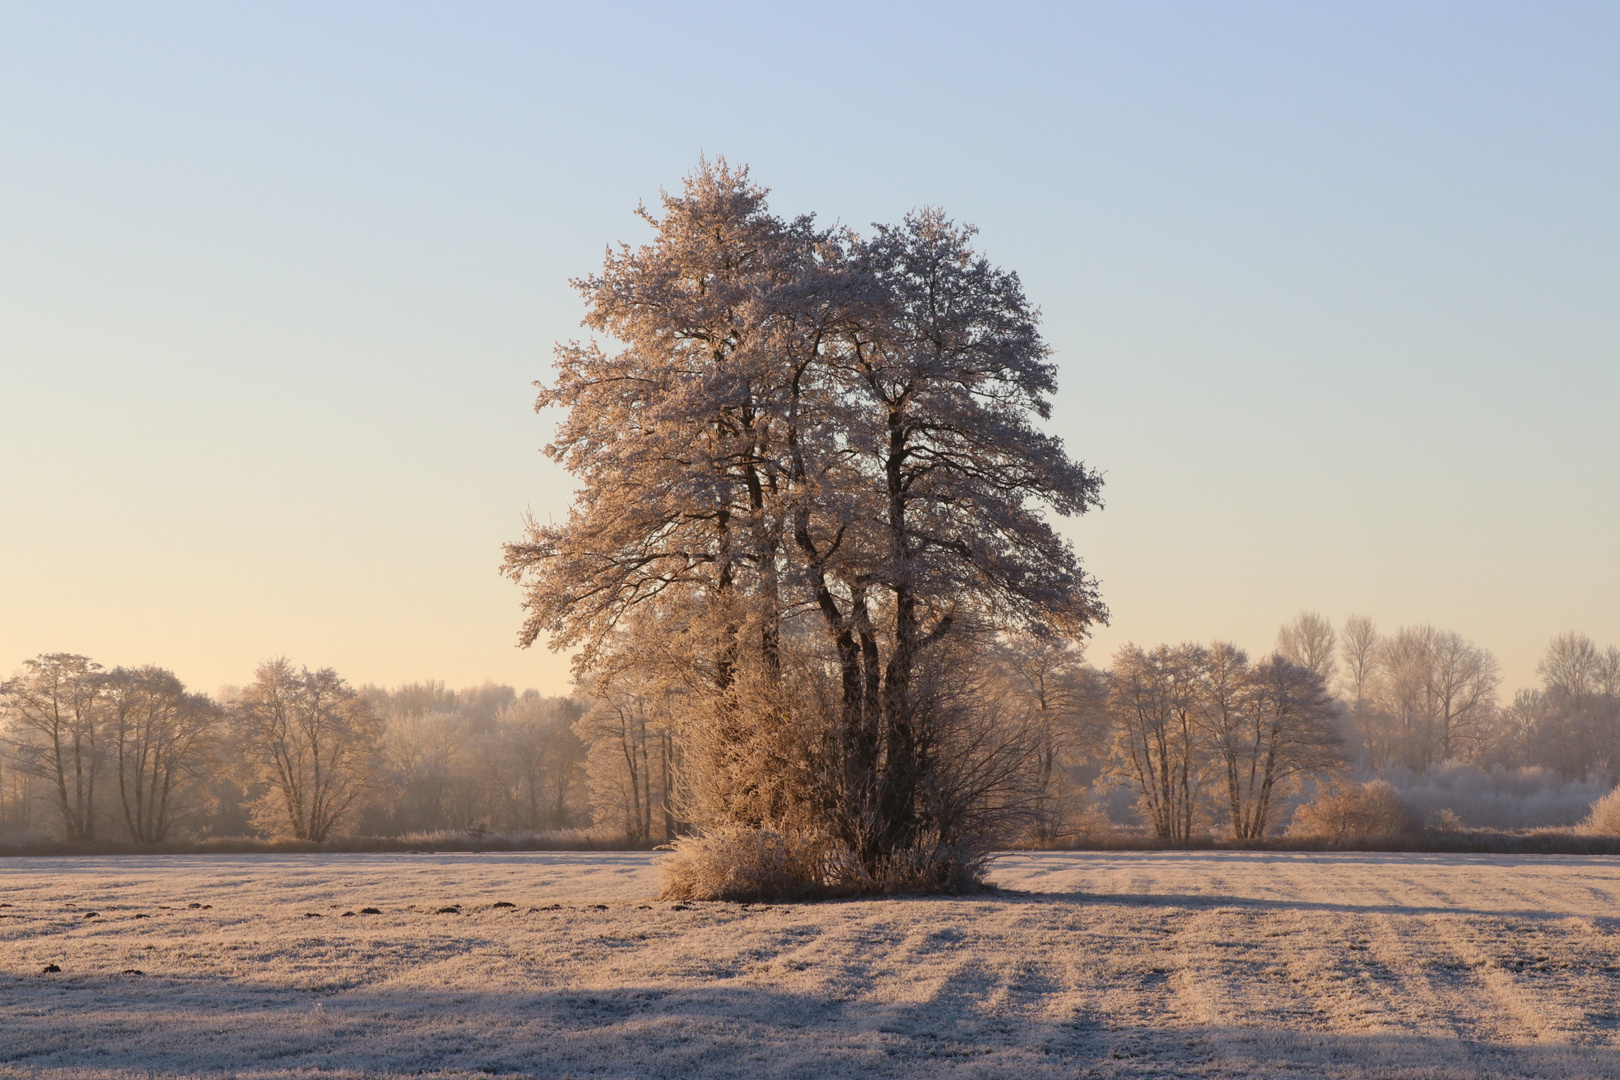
(796, 442)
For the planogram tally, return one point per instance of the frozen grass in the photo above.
(1220, 964)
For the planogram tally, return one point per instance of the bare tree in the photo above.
(312, 738)
(1061, 704)
(1406, 703)
(1436, 699)
(158, 739)
(623, 744)
(1225, 711)
(1462, 692)
(1580, 732)
(1286, 734)
(1571, 666)
(1154, 699)
(1309, 641)
(422, 756)
(1359, 646)
(54, 713)
(1512, 740)
(1269, 726)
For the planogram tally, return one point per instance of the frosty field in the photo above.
(1088, 964)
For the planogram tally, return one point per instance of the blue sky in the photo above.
(1332, 287)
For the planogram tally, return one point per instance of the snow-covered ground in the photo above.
(1088, 964)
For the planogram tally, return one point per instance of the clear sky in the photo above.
(1334, 290)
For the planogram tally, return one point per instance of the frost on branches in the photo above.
(813, 497)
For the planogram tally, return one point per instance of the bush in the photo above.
(1445, 821)
(1604, 820)
(734, 863)
(1354, 813)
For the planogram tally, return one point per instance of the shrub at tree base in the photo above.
(738, 863)
(1604, 820)
(1354, 813)
(731, 863)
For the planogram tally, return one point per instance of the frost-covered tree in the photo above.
(53, 710)
(1060, 702)
(803, 440)
(1280, 733)
(158, 741)
(1578, 733)
(1310, 641)
(1435, 699)
(1155, 699)
(1359, 645)
(312, 739)
(631, 750)
(1196, 726)
(539, 762)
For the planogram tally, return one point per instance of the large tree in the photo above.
(812, 443)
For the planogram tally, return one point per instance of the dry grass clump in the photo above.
(925, 867)
(737, 863)
(1604, 820)
(1354, 813)
(754, 864)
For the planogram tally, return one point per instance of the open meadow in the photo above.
(1090, 964)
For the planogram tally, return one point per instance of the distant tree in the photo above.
(1511, 743)
(1309, 641)
(1285, 734)
(1436, 700)
(1579, 733)
(158, 739)
(482, 705)
(1359, 645)
(422, 754)
(541, 761)
(630, 754)
(312, 738)
(1462, 682)
(53, 709)
(1154, 699)
(1061, 702)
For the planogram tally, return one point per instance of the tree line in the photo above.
(1201, 737)
(131, 755)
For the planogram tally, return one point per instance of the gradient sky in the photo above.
(1332, 287)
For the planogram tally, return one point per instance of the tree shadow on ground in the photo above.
(1211, 900)
(107, 1027)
